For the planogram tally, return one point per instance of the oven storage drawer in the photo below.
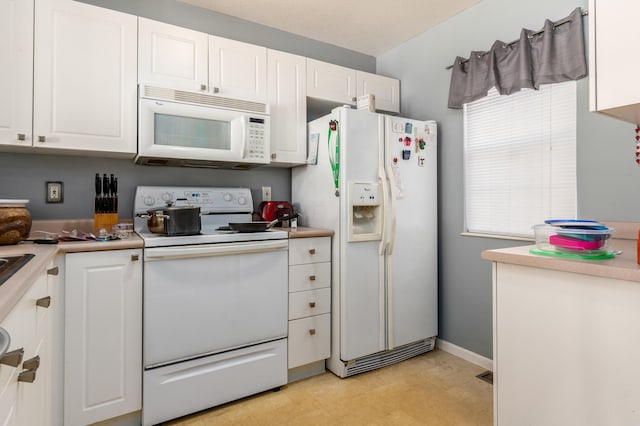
(309, 276)
(309, 339)
(179, 389)
(308, 303)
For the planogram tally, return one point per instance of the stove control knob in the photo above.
(227, 196)
(242, 200)
(167, 197)
(149, 200)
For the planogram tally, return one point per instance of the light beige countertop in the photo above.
(15, 287)
(304, 232)
(623, 267)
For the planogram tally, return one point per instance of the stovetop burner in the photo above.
(220, 206)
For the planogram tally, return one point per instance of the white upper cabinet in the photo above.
(613, 67)
(331, 82)
(171, 56)
(84, 78)
(16, 89)
(340, 85)
(386, 90)
(180, 58)
(287, 88)
(237, 70)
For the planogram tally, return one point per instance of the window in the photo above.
(520, 159)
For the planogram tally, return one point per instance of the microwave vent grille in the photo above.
(163, 93)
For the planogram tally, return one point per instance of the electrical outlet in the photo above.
(266, 193)
(54, 192)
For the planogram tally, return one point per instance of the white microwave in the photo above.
(180, 128)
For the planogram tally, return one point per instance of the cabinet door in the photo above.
(84, 78)
(16, 71)
(237, 70)
(287, 88)
(613, 66)
(331, 82)
(103, 335)
(386, 90)
(171, 56)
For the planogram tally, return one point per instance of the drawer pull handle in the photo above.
(203, 87)
(27, 376)
(42, 138)
(312, 331)
(135, 257)
(53, 271)
(312, 304)
(44, 302)
(32, 363)
(22, 137)
(312, 251)
(13, 358)
(216, 90)
(312, 277)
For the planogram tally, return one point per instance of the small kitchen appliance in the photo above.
(215, 305)
(272, 210)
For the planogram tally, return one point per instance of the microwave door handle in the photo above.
(243, 131)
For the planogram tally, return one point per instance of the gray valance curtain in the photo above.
(552, 55)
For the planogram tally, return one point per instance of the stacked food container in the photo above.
(579, 239)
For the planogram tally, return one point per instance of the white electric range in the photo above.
(215, 305)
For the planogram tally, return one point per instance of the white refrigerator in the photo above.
(371, 178)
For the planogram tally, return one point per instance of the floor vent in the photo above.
(487, 376)
(383, 359)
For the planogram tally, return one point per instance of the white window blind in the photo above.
(520, 159)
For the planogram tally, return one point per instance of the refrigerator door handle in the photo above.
(385, 196)
(392, 198)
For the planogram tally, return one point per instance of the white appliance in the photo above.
(384, 214)
(180, 128)
(215, 305)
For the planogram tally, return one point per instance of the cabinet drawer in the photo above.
(308, 303)
(309, 250)
(309, 340)
(310, 276)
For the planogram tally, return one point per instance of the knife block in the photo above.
(104, 220)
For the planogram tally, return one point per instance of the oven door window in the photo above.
(190, 132)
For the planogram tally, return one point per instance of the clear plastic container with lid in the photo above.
(585, 241)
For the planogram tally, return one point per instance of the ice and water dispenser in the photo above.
(365, 211)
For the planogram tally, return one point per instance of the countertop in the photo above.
(623, 267)
(15, 287)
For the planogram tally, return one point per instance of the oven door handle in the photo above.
(209, 250)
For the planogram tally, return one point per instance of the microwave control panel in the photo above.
(256, 139)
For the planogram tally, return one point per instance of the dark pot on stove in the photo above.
(174, 220)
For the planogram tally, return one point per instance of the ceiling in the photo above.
(370, 27)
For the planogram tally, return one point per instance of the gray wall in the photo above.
(24, 175)
(607, 173)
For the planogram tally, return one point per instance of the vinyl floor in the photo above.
(435, 388)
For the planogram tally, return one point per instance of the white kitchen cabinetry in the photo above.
(103, 335)
(184, 59)
(287, 89)
(26, 387)
(566, 348)
(386, 90)
(309, 300)
(333, 83)
(614, 88)
(84, 78)
(16, 71)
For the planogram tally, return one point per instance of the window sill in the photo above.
(497, 237)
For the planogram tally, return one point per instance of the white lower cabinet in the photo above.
(309, 300)
(103, 335)
(26, 369)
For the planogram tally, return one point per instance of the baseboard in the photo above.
(465, 354)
